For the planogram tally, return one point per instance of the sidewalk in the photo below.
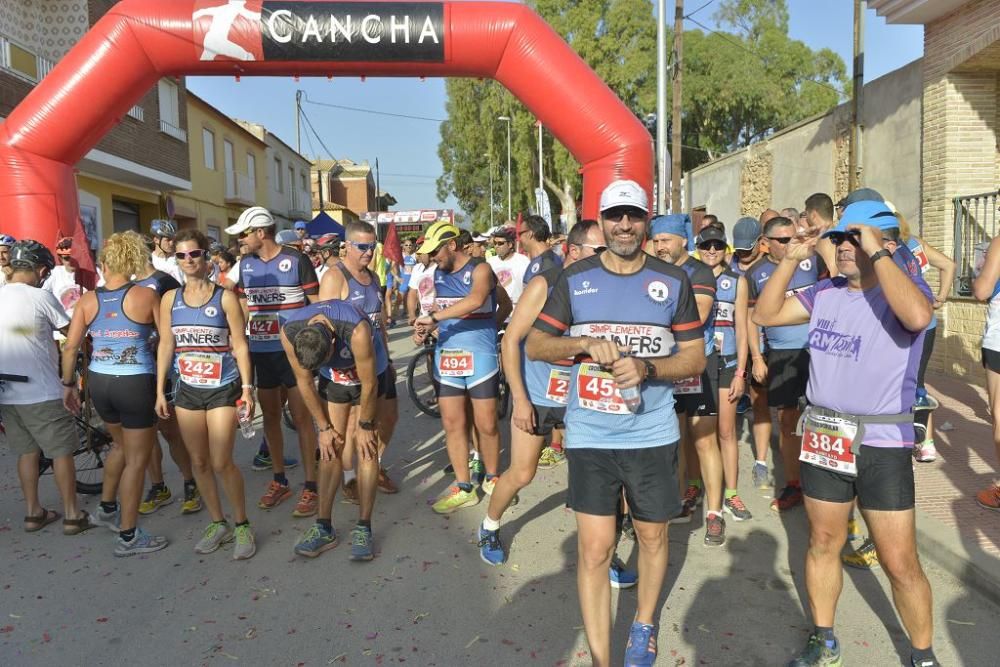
(952, 528)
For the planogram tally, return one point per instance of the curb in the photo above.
(950, 551)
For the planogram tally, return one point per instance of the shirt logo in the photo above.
(657, 291)
(357, 295)
(725, 283)
(806, 264)
(825, 339)
(285, 265)
(211, 311)
(587, 289)
(467, 278)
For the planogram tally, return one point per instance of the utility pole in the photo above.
(510, 199)
(662, 156)
(858, 89)
(675, 140)
(378, 191)
(541, 174)
(298, 112)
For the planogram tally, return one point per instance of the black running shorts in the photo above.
(207, 398)
(272, 370)
(548, 418)
(884, 481)
(787, 377)
(129, 400)
(648, 475)
(335, 392)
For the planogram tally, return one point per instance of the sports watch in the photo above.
(367, 425)
(650, 369)
(876, 256)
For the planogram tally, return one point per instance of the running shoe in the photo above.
(926, 662)
(488, 485)
(550, 458)
(477, 470)
(641, 648)
(155, 499)
(262, 462)
(275, 494)
(385, 483)
(351, 492)
(692, 498)
(315, 541)
(989, 498)
(246, 542)
(789, 497)
(715, 530)
(743, 405)
(853, 529)
(308, 502)
(620, 576)
(216, 534)
(864, 557)
(925, 402)
(818, 654)
(107, 519)
(142, 543)
(490, 547)
(454, 498)
(192, 500)
(735, 508)
(760, 476)
(361, 543)
(925, 452)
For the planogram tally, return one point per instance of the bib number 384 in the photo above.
(827, 442)
(456, 364)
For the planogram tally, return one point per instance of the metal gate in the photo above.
(975, 227)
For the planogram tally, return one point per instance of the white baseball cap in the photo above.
(624, 193)
(254, 217)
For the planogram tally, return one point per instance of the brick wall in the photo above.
(960, 120)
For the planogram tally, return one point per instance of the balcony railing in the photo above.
(138, 113)
(173, 131)
(240, 189)
(975, 225)
(300, 204)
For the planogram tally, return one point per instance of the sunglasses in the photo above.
(243, 235)
(712, 245)
(598, 249)
(618, 212)
(363, 247)
(783, 240)
(198, 253)
(838, 238)
(500, 243)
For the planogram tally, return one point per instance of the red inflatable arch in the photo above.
(139, 41)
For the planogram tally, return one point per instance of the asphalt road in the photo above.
(427, 598)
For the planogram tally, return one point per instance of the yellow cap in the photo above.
(436, 235)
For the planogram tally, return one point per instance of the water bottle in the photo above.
(632, 396)
(245, 419)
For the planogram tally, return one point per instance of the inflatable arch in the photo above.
(139, 41)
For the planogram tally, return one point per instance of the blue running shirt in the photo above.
(273, 289)
(807, 274)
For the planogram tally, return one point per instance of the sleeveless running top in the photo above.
(368, 297)
(646, 311)
(160, 281)
(273, 289)
(477, 331)
(203, 354)
(547, 384)
(344, 317)
(725, 312)
(543, 262)
(807, 273)
(121, 346)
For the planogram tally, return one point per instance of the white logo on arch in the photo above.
(217, 41)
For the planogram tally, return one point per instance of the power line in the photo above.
(318, 138)
(373, 111)
(687, 16)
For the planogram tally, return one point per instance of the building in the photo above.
(345, 189)
(122, 180)
(228, 171)
(289, 197)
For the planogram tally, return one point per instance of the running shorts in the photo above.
(129, 400)
(272, 370)
(648, 476)
(787, 377)
(484, 381)
(884, 481)
(207, 398)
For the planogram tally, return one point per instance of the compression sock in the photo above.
(280, 478)
(263, 450)
(311, 486)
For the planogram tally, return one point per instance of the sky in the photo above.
(406, 148)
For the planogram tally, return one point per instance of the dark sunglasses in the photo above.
(598, 249)
(712, 245)
(838, 238)
(499, 243)
(243, 235)
(779, 239)
(363, 247)
(197, 253)
(618, 212)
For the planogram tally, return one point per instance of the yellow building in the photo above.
(228, 171)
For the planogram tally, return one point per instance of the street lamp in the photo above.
(487, 156)
(510, 200)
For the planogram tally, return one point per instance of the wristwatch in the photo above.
(876, 256)
(367, 425)
(740, 373)
(434, 319)
(650, 369)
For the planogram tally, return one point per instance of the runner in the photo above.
(202, 344)
(534, 238)
(405, 271)
(865, 326)
(465, 359)
(6, 241)
(274, 281)
(818, 213)
(120, 319)
(357, 285)
(163, 232)
(539, 391)
(33, 411)
(986, 287)
(730, 342)
(61, 283)
(622, 300)
(328, 246)
(786, 363)
(696, 397)
(301, 230)
(337, 339)
(508, 266)
(420, 299)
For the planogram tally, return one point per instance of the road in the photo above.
(427, 599)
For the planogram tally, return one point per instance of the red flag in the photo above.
(86, 275)
(391, 248)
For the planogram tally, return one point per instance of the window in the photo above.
(208, 141)
(252, 171)
(23, 62)
(124, 216)
(213, 232)
(278, 175)
(291, 184)
(170, 112)
(305, 183)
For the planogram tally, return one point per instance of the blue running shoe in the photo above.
(142, 543)
(361, 543)
(641, 648)
(620, 576)
(315, 541)
(744, 404)
(490, 548)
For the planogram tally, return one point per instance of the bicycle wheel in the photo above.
(286, 416)
(89, 458)
(420, 382)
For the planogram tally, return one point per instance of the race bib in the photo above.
(827, 442)
(558, 387)
(456, 364)
(265, 326)
(720, 338)
(348, 376)
(725, 313)
(688, 386)
(596, 390)
(200, 369)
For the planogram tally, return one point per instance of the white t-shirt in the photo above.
(510, 273)
(422, 280)
(234, 272)
(63, 286)
(30, 316)
(168, 265)
(3, 278)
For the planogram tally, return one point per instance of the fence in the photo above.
(975, 226)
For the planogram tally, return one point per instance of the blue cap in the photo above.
(866, 212)
(300, 224)
(674, 223)
(861, 194)
(746, 233)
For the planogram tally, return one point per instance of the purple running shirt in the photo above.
(862, 361)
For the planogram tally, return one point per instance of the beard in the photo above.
(626, 248)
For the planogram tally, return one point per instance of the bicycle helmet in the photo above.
(7, 240)
(164, 228)
(64, 247)
(28, 254)
(215, 248)
(328, 241)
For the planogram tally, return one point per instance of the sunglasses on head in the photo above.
(838, 238)
(197, 253)
(363, 247)
(783, 240)
(712, 245)
(618, 212)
